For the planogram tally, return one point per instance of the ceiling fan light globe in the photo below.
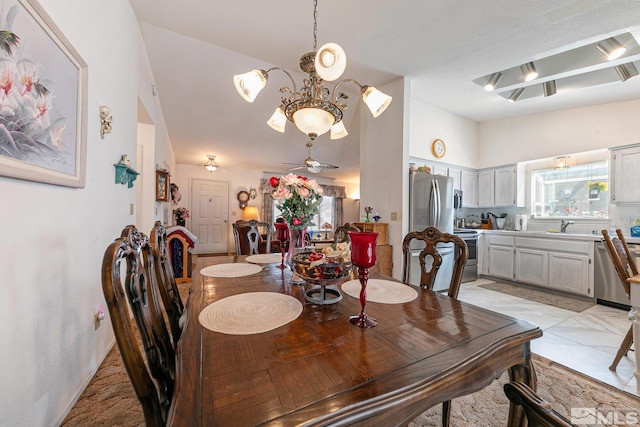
(249, 85)
(278, 120)
(375, 100)
(330, 61)
(338, 130)
(313, 121)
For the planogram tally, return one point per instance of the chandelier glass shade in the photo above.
(313, 109)
(211, 164)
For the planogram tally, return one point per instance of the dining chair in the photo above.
(248, 238)
(152, 371)
(623, 262)
(430, 257)
(166, 280)
(538, 411)
(341, 233)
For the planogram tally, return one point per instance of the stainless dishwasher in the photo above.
(606, 283)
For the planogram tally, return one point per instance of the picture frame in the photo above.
(51, 81)
(162, 186)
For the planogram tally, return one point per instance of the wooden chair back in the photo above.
(248, 238)
(341, 234)
(431, 236)
(152, 375)
(621, 257)
(165, 277)
(538, 411)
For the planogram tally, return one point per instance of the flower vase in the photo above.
(367, 218)
(180, 221)
(296, 244)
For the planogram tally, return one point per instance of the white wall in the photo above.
(537, 136)
(383, 160)
(54, 237)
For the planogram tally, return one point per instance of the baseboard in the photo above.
(85, 383)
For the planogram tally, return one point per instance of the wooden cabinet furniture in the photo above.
(625, 174)
(384, 251)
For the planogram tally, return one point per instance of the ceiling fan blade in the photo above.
(297, 168)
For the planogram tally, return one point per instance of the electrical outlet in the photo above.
(98, 316)
(130, 208)
(394, 216)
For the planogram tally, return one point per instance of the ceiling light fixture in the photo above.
(211, 164)
(549, 88)
(313, 109)
(515, 95)
(529, 71)
(492, 82)
(560, 162)
(611, 48)
(626, 71)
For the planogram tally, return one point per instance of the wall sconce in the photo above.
(560, 162)
(105, 121)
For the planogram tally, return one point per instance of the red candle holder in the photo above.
(363, 256)
(282, 235)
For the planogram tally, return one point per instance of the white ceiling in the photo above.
(196, 46)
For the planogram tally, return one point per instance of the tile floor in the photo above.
(586, 342)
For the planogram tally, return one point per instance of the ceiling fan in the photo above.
(310, 164)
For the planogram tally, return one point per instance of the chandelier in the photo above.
(313, 109)
(211, 164)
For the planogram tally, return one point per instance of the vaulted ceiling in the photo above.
(195, 47)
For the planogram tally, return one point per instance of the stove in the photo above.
(470, 237)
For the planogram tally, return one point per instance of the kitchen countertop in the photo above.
(553, 235)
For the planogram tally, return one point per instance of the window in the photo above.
(319, 221)
(579, 191)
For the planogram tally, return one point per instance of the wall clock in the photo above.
(243, 198)
(438, 148)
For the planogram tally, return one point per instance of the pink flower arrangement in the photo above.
(297, 198)
(181, 213)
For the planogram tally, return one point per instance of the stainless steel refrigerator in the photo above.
(431, 205)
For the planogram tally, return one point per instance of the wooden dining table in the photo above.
(319, 370)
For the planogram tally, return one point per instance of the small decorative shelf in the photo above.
(125, 174)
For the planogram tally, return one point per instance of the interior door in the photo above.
(210, 215)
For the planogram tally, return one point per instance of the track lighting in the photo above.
(515, 95)
(549, 88)
(492, 82)
(626, 71)
(611, 48)
(529, 71)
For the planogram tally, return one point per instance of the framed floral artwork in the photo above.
(162, 186)
(43, 99)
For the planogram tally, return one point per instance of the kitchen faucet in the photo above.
(564, 225)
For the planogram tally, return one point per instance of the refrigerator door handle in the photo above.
(432, 203)
(437, 204)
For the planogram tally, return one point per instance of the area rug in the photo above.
(560, 301)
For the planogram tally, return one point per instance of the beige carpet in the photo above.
(560, 301)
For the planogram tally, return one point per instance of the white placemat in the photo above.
(382, 291)
(236, 269)
(250, 313)
(264, 258)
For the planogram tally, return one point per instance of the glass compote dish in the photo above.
(363, 256)
(282, 235)
(323, 269)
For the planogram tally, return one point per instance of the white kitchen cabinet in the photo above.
(501, 261)
(502, 186)
(455, 173)
(485, 188)
(531, 266)
(625, 175)
(469, 187)
(569, 272)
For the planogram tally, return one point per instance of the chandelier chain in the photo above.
(315, 25)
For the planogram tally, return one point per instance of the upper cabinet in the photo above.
(625, 175)
(469, 187)
(502, 186)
